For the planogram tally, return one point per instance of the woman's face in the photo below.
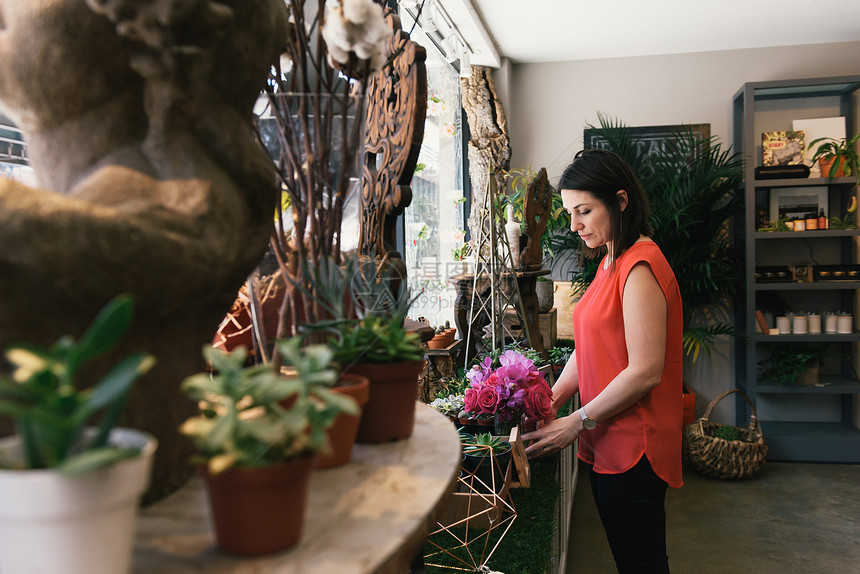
(589, 217)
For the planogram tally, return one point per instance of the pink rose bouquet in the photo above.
(515, 388)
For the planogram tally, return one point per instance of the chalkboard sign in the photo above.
(651, 139)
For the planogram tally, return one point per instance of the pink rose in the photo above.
(488, 398)
(471, 400)
(538, 401)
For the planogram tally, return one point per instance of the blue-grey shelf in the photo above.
(828, 385)
(811, 441)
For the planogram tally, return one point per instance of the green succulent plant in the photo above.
(376, 340)
(253, 417)
(484, 442)
(560, 355)
(51, 414)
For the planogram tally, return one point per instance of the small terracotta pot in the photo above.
(390, 411)
(442, 340)
(342, 433)
(826, 164)
(259, 510)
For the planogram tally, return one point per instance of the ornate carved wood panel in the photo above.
(537, 209)
(396, 110)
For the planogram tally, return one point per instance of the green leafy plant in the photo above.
(462, 252)
(519, 179)
(378, 335)
(842, 151)
(51, 414)
(560, 355)
(253, 417)
(692, 184)
(786, 361)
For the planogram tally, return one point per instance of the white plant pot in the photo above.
(51, 524)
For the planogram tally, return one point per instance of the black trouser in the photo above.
(632, 507)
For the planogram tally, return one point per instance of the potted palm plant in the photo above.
(692, 184)
(837, 157)
(69, 491)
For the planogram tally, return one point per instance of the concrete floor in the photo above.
(792, 518)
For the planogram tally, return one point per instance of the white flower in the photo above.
(358, 27)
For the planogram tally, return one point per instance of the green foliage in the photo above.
(786, 361)
(727, 432)
(461, 253)
(484, 442)
(253, 416)
(376, 340)
(778, 225)
(366, 311)
(50, 413)
(843, 153)
(693, 187)
(560, 355)
(559, 219)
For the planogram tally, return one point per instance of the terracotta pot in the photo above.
(390, 411)
(825, 165)
(342, 433)
(442, 340)
(259, 510)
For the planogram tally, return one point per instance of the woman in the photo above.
(627, 363)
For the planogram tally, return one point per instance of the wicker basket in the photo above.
(726, 459)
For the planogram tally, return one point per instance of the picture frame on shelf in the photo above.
(801, 272)
(798, 202)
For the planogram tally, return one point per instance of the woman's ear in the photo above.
(622, 199)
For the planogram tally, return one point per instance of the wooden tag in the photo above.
(521, 461)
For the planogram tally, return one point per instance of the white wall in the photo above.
(550, 104)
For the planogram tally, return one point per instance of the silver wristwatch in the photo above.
(587, 423)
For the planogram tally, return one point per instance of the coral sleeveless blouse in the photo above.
(653, 425)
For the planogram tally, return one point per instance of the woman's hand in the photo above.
(553, 436)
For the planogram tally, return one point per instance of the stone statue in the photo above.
(138, 118)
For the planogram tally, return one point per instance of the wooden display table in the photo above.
(369, 516)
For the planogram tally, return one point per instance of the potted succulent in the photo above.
(837, 157)
(486, 459)
(560, 354)
(69, 492)
(449, 406)
(380, 348)
(258, 433)
(443, 337)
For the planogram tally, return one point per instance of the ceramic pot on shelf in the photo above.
(390, 410)
(261, 510)
(343, 432)
(65, 525)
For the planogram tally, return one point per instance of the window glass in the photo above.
(434, 223)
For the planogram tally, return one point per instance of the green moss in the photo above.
(527, 547)
(727, 432)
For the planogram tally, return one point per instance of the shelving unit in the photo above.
(799, 422)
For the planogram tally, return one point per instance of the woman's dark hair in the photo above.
(603, 174)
